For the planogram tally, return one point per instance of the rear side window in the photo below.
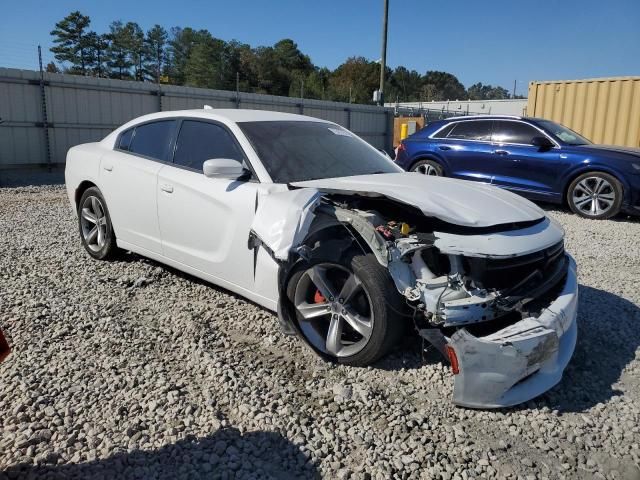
(514, 132)
(201, 141)
(153, 139)
(125, 140)
(445, 131)
(472, 130)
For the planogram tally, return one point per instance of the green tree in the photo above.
(97, 47)
(445, 86)
(70, 37)
(355, 80)
(203, 66)
(136, 48)
(180, 45)
(120, 42)
(404, 85)
(478, 91)
(155, 45)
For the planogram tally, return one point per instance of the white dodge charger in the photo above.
(304, 218)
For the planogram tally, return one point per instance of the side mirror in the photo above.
(223, 168)
(541, 142)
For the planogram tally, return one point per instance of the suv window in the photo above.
(200, 141)
(153, 139)
(445, 131)
(514, 132)
(471, 130)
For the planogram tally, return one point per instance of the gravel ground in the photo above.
(130, 369)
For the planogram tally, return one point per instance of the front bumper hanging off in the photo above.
(521, 361)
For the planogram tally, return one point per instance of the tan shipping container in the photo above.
(604, 110)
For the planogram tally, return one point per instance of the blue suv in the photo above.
(537, 158)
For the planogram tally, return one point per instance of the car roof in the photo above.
(484, 117)
(229, 115)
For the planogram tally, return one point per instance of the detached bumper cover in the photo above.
(521, 361)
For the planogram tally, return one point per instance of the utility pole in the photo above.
(383, 60)
(514, 88)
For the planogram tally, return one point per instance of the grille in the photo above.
(506, 273)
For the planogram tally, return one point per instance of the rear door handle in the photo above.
(501, 152)
(165, 187)
(444, 147)
(108, 168)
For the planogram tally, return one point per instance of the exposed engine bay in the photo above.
(484, 296)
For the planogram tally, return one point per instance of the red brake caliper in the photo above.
(318, 298)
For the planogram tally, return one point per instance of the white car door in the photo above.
(128, 180)
(205, 222)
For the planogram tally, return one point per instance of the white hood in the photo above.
(455, 201)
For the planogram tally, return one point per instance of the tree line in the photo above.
(184, 56)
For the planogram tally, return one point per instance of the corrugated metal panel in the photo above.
(85, 109)
(605, 110)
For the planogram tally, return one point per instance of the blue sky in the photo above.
(489, 41)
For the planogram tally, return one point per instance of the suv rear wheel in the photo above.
(428, 167)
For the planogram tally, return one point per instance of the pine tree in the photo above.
(155, 45)
(70, 37)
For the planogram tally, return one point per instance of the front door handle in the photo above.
(165, 187)
(444, 147)
(501, 152)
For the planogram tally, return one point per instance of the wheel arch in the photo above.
(82, 187)
(432, 157)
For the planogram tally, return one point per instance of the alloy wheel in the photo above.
(427, 169)
(593, 196)
(93, 222)
(336, 314)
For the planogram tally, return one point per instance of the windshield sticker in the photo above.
(339, 131)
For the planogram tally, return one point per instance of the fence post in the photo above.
(389, 133)
(237, 89)
(348, 110)
(45, 122)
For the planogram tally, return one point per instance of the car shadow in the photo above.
(608, 338)
(621, 217)
(227, 453)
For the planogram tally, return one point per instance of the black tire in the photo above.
(385, 305)
(104, 247)
(428, 167)
(595, 195)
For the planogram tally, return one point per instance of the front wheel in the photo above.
(347, 309)
(595, 195)
(428, 167)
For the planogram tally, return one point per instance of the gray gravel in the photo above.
(130, 369)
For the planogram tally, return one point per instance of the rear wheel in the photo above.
(428, 167)
(595, 195)
(96, 231)
(347, 309)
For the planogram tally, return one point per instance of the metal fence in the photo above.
(43, 117)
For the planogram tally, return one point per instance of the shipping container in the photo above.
(604, 110)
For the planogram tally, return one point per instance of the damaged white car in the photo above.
(304, 218)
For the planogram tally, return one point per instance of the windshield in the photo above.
(563, 133)
(294, 151)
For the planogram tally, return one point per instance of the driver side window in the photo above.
(201, 141)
